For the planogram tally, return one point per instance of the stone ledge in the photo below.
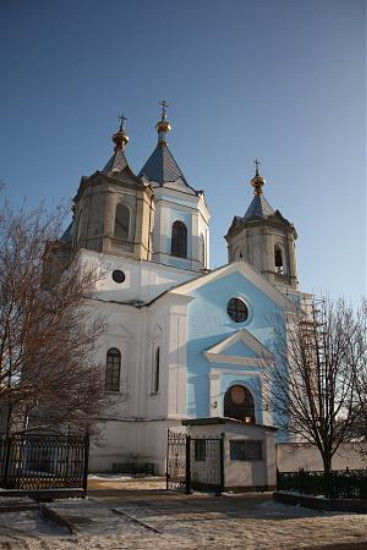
(51, 515)
(316, 503)
(16, 504)
(249, 488)
(43, 495)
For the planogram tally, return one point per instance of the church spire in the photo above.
(163, 126)
(161, 167)
(265, 239)
(118, 162)
(257, 181)
(259, 206)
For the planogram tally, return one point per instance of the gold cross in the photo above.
(122, 120)
(164, 106)
(257, 164)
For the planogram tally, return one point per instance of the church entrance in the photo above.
(194, 463)
(239, 404)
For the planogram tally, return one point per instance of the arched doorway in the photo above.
(239, 404)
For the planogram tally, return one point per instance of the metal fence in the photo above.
(44, 461)
(338, 484)
(177, 465)
(194, 463)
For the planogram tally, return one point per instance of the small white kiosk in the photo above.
(248, 453)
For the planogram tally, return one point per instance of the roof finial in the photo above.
(164, 106)
(122, 118)
(163, 126)
(257, 163)
(120, 138)
(257, 181)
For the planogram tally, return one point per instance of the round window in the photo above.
(118, 276)
(237, 310)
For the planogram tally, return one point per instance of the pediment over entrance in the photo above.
(240, 348)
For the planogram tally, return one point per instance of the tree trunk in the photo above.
(8, 423)
(328, 481)
(326, 460)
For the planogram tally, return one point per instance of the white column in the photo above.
(177, 362)
(214, 394)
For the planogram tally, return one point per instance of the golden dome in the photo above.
(120, 138)
(257, 181)
(163, 126)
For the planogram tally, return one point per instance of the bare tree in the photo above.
(47, 331)
(359, 366)
(319, 375)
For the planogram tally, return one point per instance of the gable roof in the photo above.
(245, 269)
(218, 354)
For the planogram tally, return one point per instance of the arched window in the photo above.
(237, 254)
(157, 359)
(122, 222)
(239, 404)
(113, 369)
(179, 240)
(278, 260)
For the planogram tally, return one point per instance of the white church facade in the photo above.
(181, 341)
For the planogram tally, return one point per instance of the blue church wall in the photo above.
(209, 324)
(279, 419)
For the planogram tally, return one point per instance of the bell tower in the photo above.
(265, 239)
(113, 208)
(180, 236)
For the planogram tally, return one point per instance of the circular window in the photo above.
(118, 276)
(237, 310)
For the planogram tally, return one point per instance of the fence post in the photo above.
(221, 464)
(8, 446)
(188, 464)
(167, 459)
(86, 463)
(331, 491)
(301, 476)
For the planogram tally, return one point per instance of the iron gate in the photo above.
(194, 463)
(177, 466)
(44, 461)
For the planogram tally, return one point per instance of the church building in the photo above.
(182, 341)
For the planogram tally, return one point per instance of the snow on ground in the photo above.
(114, 477)
(122, 477)
(27, 528)
(178, 522)
(6, 501)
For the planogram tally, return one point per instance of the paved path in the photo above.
(139, 517)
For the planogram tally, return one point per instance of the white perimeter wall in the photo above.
(293, 456)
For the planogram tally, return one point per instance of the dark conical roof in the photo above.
(161, 166)
(117, 163)
(259, 208)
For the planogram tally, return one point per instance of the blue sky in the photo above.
(281, 80)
